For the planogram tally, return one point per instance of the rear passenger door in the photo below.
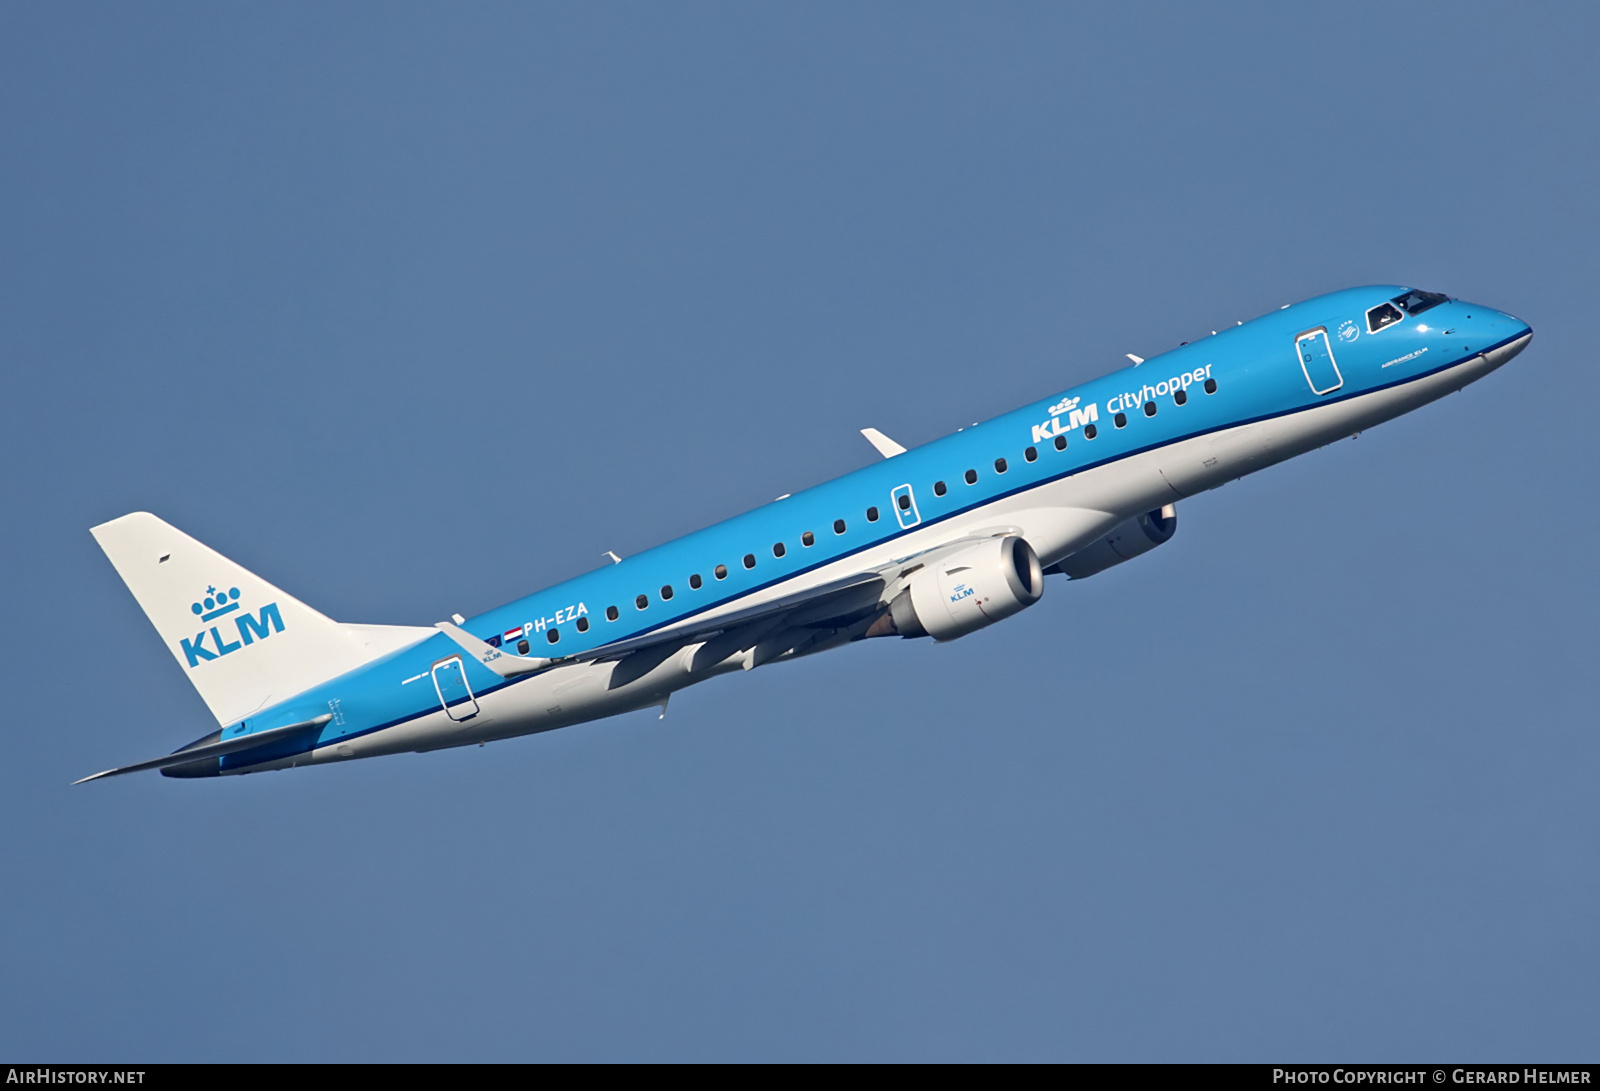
(450, 679)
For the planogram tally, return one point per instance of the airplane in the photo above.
(935, 542)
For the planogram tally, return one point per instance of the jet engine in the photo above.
(1124, 542)
(965, 589)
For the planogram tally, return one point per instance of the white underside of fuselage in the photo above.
(1057, 518)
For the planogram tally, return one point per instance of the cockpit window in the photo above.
(1386, 314)
(1415, 302)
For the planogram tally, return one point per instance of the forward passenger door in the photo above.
(1316, 361)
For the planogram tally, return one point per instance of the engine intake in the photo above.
(1127, 540)
(965, 590)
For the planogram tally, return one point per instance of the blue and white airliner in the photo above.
(933, 542)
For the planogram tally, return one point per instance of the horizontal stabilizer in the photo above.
(502, 663)
(214, 749)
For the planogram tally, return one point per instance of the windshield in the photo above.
(1384, 314)
(1415, 301)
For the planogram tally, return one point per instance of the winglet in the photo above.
(502, 663)
(887, 447)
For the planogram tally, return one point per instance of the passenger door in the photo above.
(455, 696)
(1316, 361)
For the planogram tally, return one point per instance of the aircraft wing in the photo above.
(841, 592)
(859, 591)
(848, 598)
(816, 605)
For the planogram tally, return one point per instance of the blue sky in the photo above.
(415, 309)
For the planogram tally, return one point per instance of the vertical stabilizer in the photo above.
(242, 642)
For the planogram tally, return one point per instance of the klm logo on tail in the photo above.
(216, 606)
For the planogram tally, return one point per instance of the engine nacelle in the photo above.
(966, 589)
(1126, 540)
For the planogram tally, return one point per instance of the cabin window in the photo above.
(695, 581)
(642, 601)
(1090, 431)
(611, 613)
(999, 465)
(904, 500)
(1385, 314)
(666, 592)
(1415, 302)
(808, 539)
(1211, 386)
(721, 571)
(971, 477)
(583, 625)
(749, 560)
(938, 488)
(872, 515)
(552, 635)
(1120, 420)
(1180, 396)
(778, 549)
(522, 647)
(838, 526)
(1061, 442)
(1031, 454)
(1149, 409)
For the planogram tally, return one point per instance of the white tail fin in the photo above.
(241, 641)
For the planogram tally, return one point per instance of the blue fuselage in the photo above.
(1136, 439)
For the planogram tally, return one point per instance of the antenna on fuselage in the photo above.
(614, 558)
(1137, 360)
(885, 446)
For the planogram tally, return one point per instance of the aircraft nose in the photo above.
(1488, 325)
(1507, 333)
(1513, 328)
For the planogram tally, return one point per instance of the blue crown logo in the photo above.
(217, 603)
(249, 627)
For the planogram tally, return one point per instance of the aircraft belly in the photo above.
(1127, 486)
(1194, 465)
(583, 692)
